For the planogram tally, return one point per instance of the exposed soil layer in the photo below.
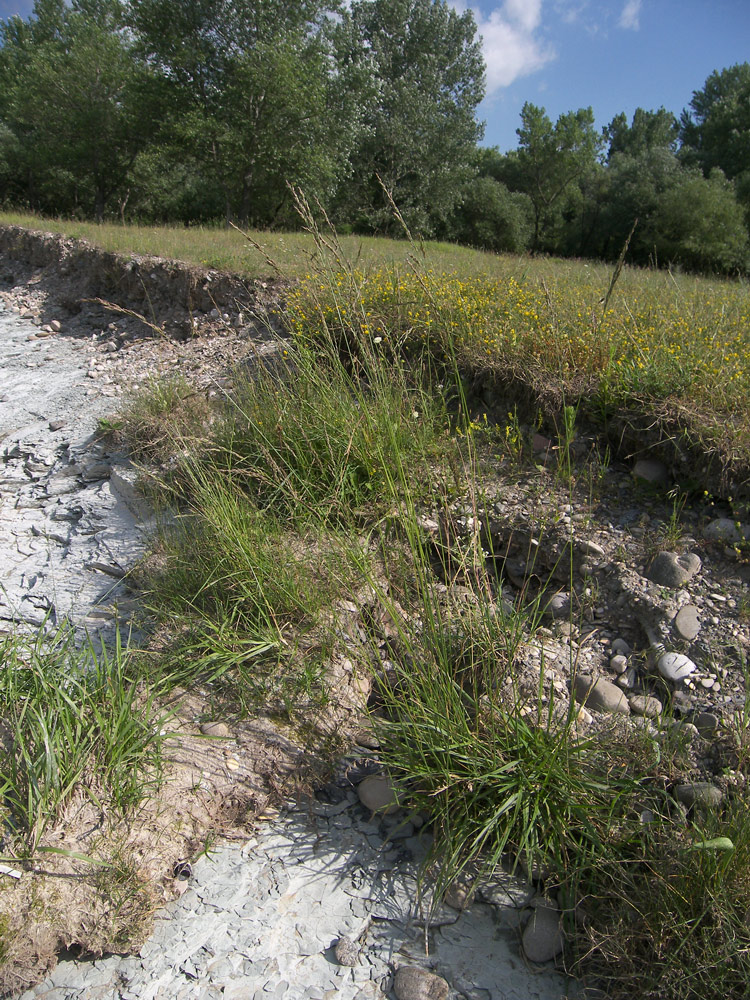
(174, 297)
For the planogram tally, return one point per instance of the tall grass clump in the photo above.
(161, 418)
(503, 773)
(74, 722)
(240, 595)
(668, 912)
(315, 439)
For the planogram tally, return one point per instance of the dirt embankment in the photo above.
(178, 299)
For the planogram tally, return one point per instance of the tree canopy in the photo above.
(198, 110)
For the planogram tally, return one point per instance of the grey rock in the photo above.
(507, 890)
(378, 794)
(699, 793)
(600, 695)
(413, 983)
(675, 666)
(687, 728)
(686, 623)
(542, 937)
(621, 647)
(619, 663)
(459, 893)
(706, 723)
(644, 704)
(217, 729)
(592, 549)
(559, 605)
(347, 951)
(724, 529)
(670, 570)
(627, 678)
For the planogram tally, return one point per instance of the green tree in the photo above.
(75, 100)
(698, 223)
(550, 161)
(424, 77)
(715, 131)
(254, 99)
(493, 218)
(648, 130)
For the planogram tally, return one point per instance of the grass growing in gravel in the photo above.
(73, 722)
(669, 918)
(314, 481)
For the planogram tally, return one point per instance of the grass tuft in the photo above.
(73, 721)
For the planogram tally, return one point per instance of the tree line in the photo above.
(199, 110)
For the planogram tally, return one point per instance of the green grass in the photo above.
(225, 249)
(666, 347)
(668, 920)
(74, 723)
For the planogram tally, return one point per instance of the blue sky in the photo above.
(614, 55)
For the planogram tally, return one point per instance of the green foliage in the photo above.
(234, 584)
(312, 435)
(669, 920)
(160, 418)
(425, 78)
(715, 132)
(551, 158)
(493, 218)
(648, 130)
(74, 723)
(78, 105)
(697, 223)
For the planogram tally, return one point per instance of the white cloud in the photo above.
(511, 42)
(629, 18)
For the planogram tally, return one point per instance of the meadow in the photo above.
(653, 343)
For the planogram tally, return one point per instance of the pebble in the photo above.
(670, 570)
(542, 937)
(686, 623)
(621, 648)
(600, 695)
(459, 893)
(699, 793)
(706, 723)
(559, 605)
(377, 794)
(413, 983)
(619, 663)
(217, 729)
(347, 951)
(724, 529)
(675, 666)
(644, 704)
(589, 548)
(627, 678)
